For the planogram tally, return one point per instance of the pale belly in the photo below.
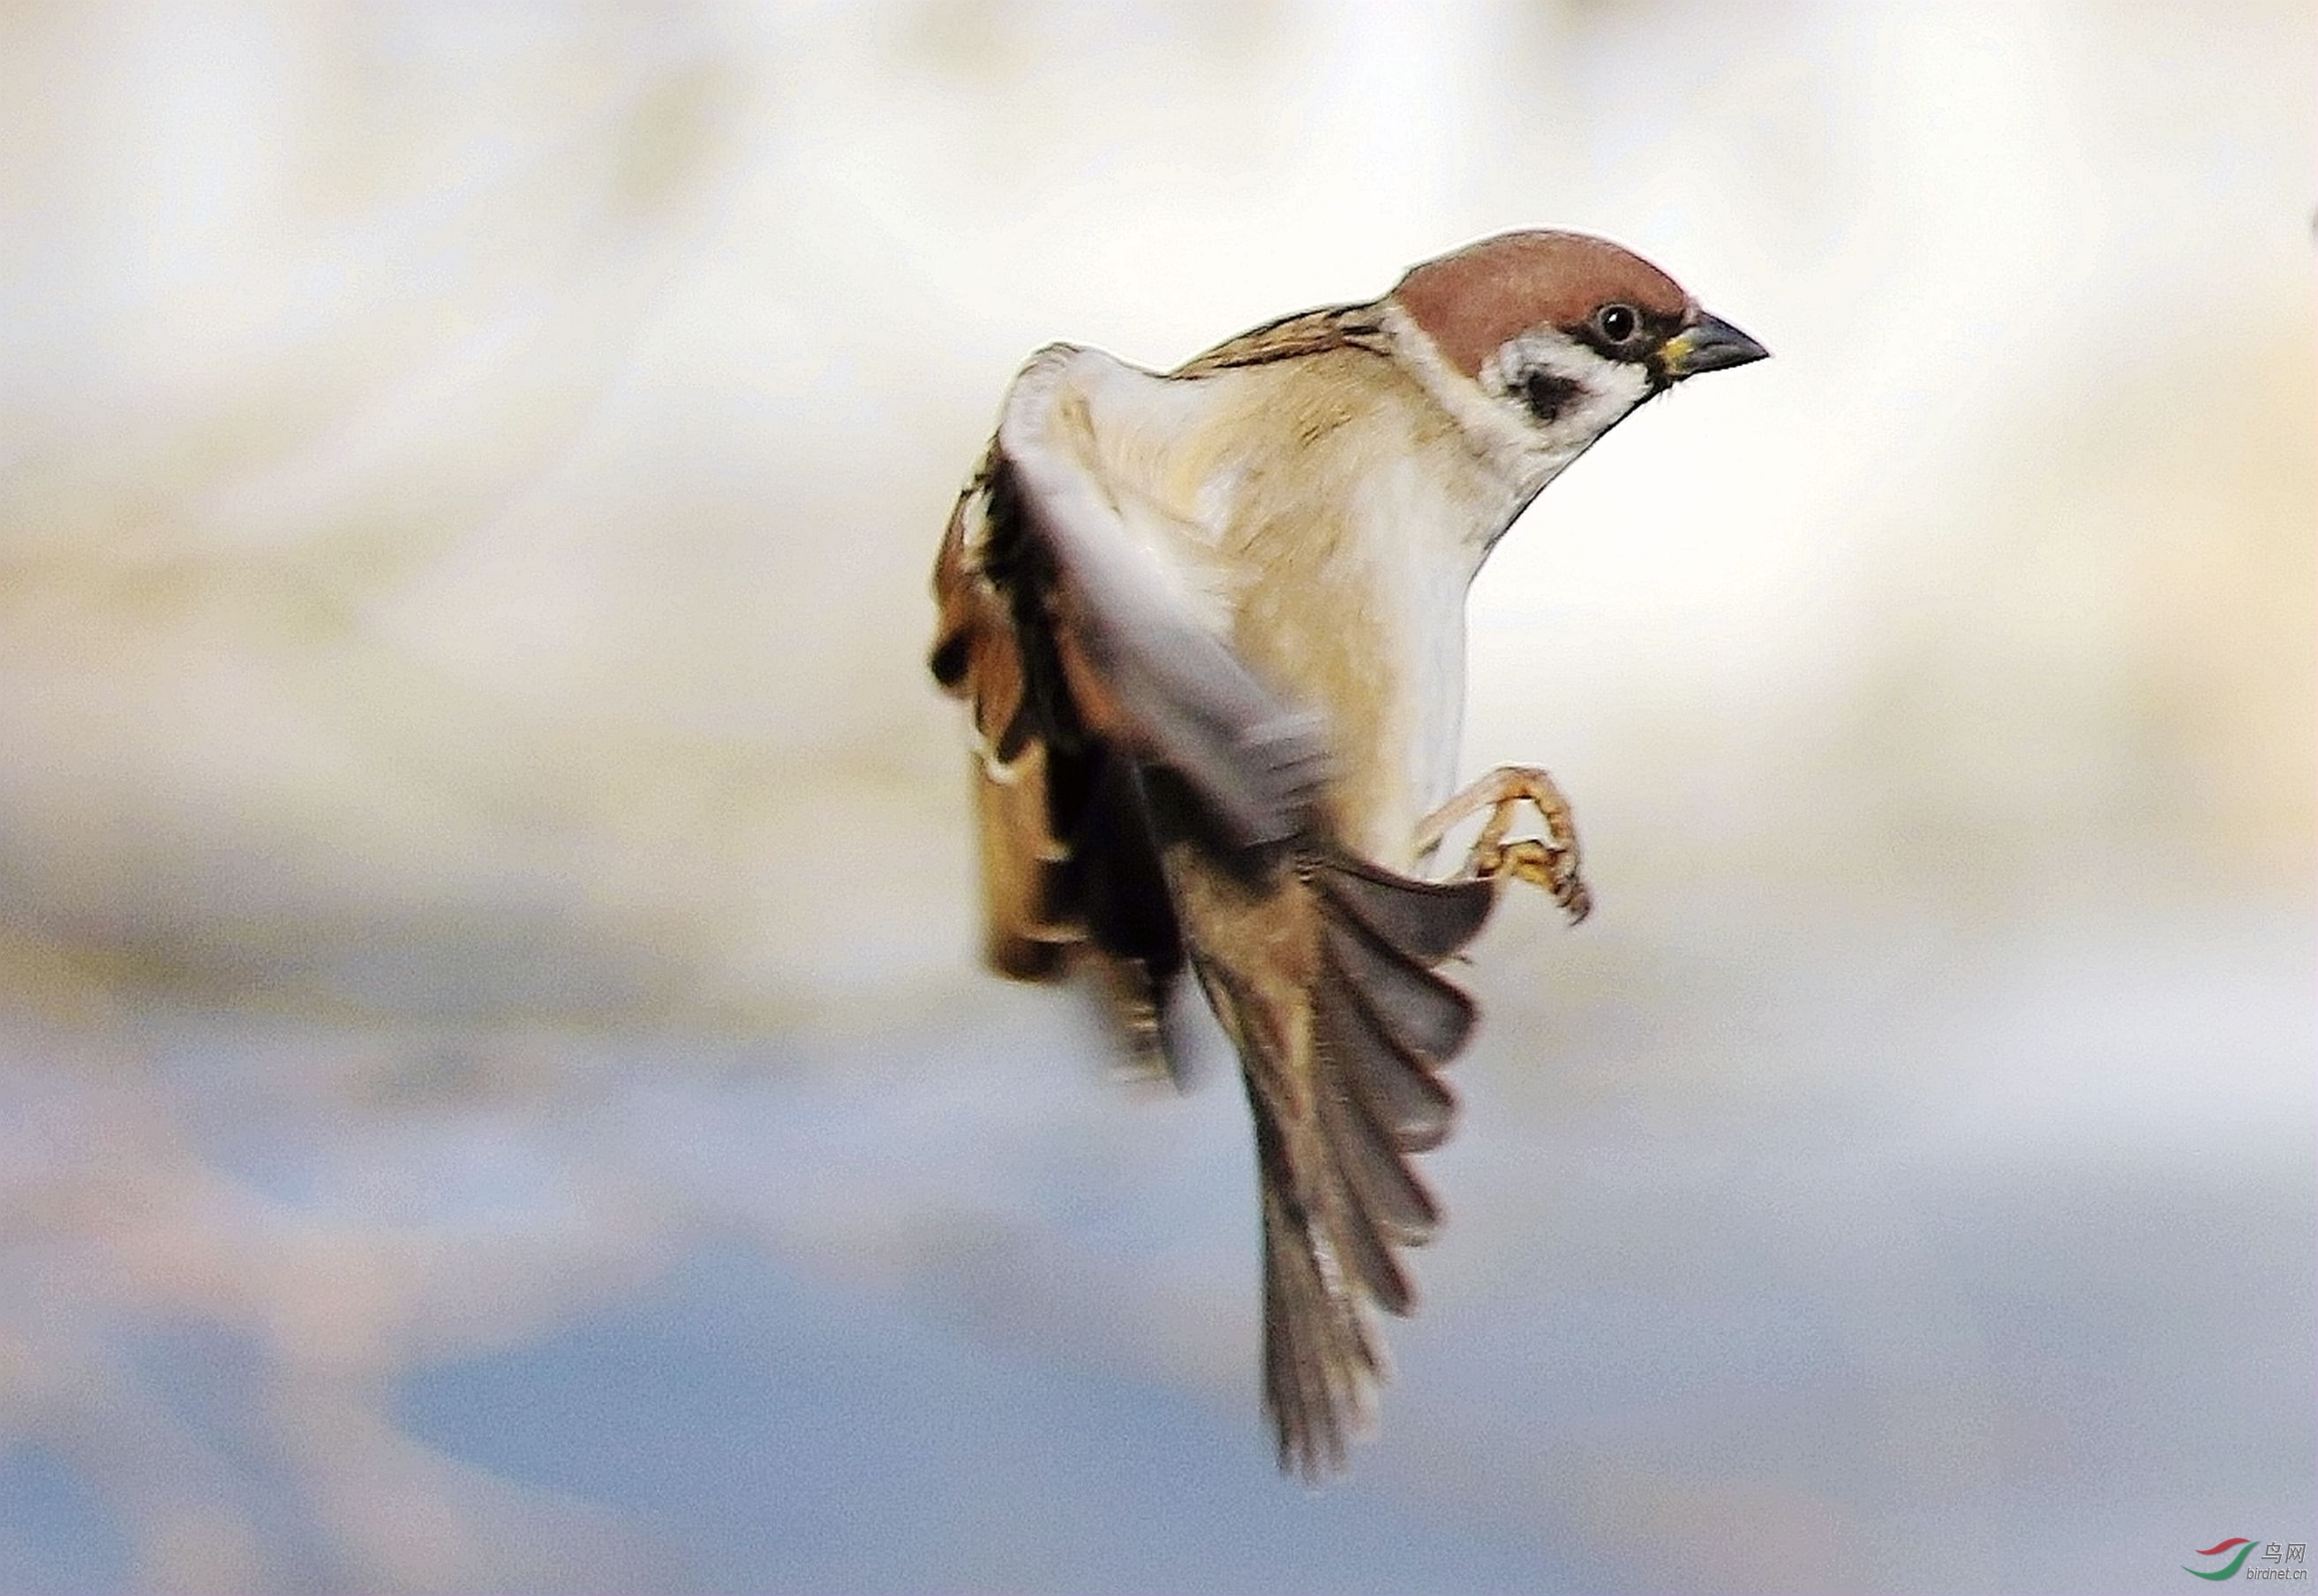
(1389, 675)
(1348, 595)
(1419, 766)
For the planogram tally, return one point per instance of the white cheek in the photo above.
(1613, 391)
(1606, 390)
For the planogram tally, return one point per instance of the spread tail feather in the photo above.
(1323, 979)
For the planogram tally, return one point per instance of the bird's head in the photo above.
(1550, 340)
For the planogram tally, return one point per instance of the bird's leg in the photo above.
(1549, 861)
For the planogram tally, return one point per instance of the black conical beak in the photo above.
(1710, 344)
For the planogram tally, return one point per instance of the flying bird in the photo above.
(1210, 625)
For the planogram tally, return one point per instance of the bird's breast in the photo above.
(1336, 517)
(1360, 615)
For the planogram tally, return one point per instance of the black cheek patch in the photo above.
(1546, 395)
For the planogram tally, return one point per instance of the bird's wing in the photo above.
(1072, 630)
(978, 656)
(1145, 668)
(1068, 859)
(1074, 636)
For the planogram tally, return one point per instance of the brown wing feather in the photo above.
(977, 657)
(1070, 876)
(1308, 332)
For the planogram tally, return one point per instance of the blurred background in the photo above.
(495, 1091)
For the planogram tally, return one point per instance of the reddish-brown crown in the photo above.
(1470, 302)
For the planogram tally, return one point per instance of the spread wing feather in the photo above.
(1070, 872)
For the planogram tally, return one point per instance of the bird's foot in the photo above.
(1549, 861)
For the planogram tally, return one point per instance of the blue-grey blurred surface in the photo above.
(494, 1089)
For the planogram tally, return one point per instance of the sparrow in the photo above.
(1211, 627)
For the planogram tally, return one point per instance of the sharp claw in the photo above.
(1549, 861)
(1576, 902)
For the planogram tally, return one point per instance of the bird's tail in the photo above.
(1325, 979)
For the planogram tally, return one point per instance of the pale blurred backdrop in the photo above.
(494, 1089)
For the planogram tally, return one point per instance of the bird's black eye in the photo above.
(1617, 323)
